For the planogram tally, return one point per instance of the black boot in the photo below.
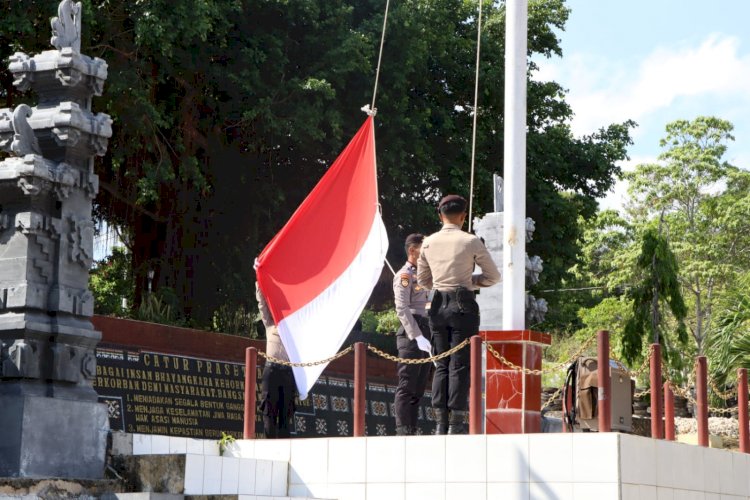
(403, 430)
(457, 422)
(441, 421)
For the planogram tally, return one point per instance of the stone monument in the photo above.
(51, 424)
(512, 397)
(490, 300)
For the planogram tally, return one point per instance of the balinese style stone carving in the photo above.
(47, 358)
(490, 229)
(66, 28)
(24, 141)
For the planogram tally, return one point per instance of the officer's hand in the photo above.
(424, 344)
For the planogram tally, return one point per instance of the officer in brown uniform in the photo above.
(412, 339)
(446, 265)
(277, 387)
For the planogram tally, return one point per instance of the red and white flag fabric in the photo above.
(318, 272)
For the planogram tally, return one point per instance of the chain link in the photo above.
(552, 398)
(514, 366)
(564, 365)
(721, 394)
(308, 363)
(416, 361)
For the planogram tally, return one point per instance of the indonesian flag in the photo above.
(318, 272)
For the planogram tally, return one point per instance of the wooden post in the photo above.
(604, 403)
(360, 376)
(701, 389)
(251, 364)
(742, 416)
(475, 389)
(668, 412)
(656, 410)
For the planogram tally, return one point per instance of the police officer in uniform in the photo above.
(278, 390)
(412, 339)
(446, 265)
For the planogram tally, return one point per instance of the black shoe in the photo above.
(403, 430)
(458, 422)
(441, 421)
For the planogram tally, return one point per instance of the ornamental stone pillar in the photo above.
(51, 424)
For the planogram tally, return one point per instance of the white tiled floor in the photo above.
(523, 467)
(346, 460)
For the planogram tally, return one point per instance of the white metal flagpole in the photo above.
(514, 192)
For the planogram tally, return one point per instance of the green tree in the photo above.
(656, 292)
(111, 284)
(228, 111)
(687, 190)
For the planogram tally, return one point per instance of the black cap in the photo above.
(414, 239)
(452, 204)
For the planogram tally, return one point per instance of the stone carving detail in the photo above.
(64, 365)
(66, 27)
(533, 269)
(536, 309)
(22, 359)
(498, 185)
(530, 228)
(28, 188)
(81, 241)
(24, 140)
(65, 180)
(6, 129)
(43, 231)
(23, 79)
(88, 366)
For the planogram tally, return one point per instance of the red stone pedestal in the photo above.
(513, 400)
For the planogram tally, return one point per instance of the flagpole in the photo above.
(514, 194)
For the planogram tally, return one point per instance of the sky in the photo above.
(655, 61)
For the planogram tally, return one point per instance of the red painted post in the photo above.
(742, 410)
(360, 374)
(604, 400)
(701, 390)
(668, 412)
(475, 389)
(656, 410)
(251, 364)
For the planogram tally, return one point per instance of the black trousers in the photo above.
(451, 323)
(277, 404)
(412, 379)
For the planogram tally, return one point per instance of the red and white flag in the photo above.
(318, 272)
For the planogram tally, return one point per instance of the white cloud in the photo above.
(616, 199)
(602, 91)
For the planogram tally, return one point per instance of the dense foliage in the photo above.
(226, 113)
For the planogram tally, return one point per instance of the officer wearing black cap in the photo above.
(412, 339)
(446, 265)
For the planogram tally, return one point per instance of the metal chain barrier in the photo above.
(416, 361)
(726, 396)
(513, 366)
(552, 398)
(309, 363)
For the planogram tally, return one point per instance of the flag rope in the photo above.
(476, 112)
(370, 109)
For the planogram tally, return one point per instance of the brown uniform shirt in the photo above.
(410, 299)
(274, 347)
(447, 261)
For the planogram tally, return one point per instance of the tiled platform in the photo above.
(525, 467)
